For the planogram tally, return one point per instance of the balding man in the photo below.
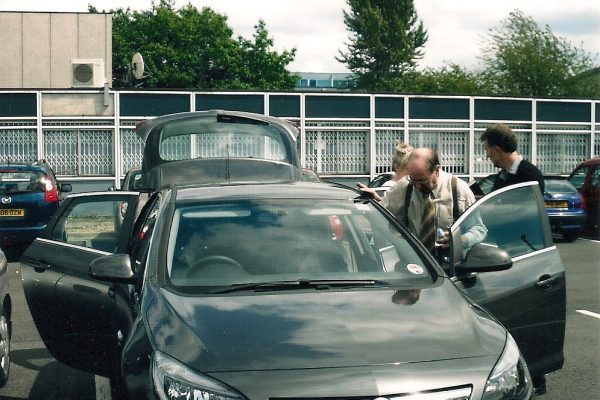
(429, 200)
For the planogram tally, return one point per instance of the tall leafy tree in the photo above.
(386, 42)
(191, 48)
(522, 59)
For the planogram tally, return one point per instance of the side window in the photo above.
(578, 177)
(512, 221)
(595, 181)
(94, 224)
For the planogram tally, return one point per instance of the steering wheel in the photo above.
(216, 267)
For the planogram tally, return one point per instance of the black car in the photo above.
(272, 288)
(29, 195)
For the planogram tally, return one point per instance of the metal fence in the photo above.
(342, 135)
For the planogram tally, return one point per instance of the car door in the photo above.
(530, 297)
(74, 313)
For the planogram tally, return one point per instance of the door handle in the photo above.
(39, 266)
(545, 282)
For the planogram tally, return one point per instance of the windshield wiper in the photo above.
(301, 284)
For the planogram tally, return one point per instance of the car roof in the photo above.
(291, 190)
(36, 166)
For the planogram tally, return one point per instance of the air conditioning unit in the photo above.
(88, 72)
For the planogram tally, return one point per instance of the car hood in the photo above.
(320, 329)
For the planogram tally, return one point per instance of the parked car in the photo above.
(132, 180)
(586, 178)
(265, 287)
(29, 195)
(5, 321)
(565, 207)
(382, 182)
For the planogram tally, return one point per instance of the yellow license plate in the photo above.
(557, 204)
(12, 212)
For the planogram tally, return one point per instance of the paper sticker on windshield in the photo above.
(415, 269)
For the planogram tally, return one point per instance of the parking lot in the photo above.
(35, 374)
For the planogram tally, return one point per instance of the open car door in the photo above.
(529, 298)
(75, 314)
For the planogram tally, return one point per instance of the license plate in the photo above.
(12, 212)
(557, 204)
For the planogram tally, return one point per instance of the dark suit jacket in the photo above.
(525, 173)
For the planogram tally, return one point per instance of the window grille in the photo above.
(18, 145)
(337, 151)
(79, 152)
(560, 153)
(132, 149)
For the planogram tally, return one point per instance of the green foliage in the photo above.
(188, 48)
(521, 59)
(385, 43)
(449, 79)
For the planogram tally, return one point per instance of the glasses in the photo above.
(421, 181)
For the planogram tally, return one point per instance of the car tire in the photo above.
(4, 348)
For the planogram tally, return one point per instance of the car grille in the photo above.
(460, 393)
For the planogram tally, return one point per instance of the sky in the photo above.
(456, 28)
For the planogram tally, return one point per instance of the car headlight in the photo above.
(174, 381)
(510, 378)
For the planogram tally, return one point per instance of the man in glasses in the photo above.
(429, 201)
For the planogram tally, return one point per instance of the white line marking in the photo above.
(590, 240)
(588, 313)
(102, 388)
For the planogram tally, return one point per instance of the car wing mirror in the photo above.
(66, 187)
(113, 268)
(483, 257)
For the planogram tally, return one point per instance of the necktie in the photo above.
(427, 232)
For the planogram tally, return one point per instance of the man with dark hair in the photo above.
(430, 200)
(500, 144)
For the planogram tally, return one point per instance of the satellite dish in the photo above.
(137, 66)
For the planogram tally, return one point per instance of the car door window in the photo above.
(595, 181)
(93, 224)
(578, 177)
(512, 221)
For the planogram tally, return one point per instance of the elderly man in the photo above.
(429, 200)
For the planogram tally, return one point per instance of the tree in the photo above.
(188, 48)
(521, 59)
(385, 44)
(449, 79)
(262, 67)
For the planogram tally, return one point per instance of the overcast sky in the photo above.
(316, 28)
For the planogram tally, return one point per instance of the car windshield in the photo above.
(193, 138)
(288, 240)
(13, 181)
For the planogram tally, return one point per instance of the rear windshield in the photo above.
(242, 242)
(559, 186)
(193, 138)
(13, 181)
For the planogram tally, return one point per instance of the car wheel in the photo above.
(4, 348)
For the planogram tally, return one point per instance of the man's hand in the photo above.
(369, 192)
